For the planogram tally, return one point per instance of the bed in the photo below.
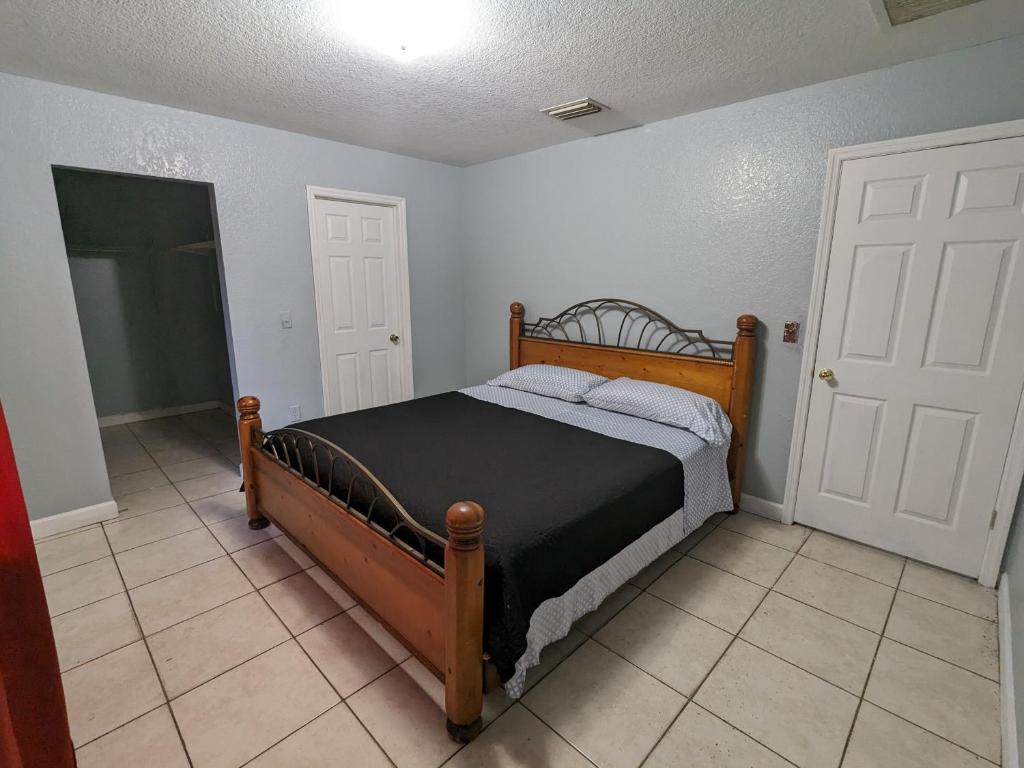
(577, 499)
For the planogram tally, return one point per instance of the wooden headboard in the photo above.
(616, 338)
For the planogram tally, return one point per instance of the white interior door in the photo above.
(923, 327)
(362, 303)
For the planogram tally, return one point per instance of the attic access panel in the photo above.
(902, 11)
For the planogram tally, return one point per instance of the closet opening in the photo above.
(148, 282)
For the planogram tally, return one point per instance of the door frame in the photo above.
(313, 194)
(1013, 469)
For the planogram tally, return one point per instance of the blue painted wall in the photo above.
(705, 216)
(259, 177)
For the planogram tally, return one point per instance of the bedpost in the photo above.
(743, 356)
(515, 330)
(248, 420)
(464, 620)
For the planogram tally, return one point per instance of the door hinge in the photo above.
(992, 520)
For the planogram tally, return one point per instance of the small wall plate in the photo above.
(791, 332)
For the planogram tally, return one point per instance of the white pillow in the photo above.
(550, 380)
(667, 405)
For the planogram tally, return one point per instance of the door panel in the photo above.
(852, 444)
(342, 299)
(968, 303)
(937, 451)
(359, 301)
(874, 301)
(922, 316)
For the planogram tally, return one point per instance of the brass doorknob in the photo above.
(826, 374)
(394, 338)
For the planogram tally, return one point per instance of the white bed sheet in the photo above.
(706, 487)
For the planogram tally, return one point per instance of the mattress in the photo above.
(707, 491)
(561, 498)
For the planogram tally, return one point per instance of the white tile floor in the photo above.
(185, 639)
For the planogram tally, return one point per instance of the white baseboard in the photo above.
(75, 518)
(1007, 704)
(159, 413)
(758, 506)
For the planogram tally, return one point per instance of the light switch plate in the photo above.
(286, 320)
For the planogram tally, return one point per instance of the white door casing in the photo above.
(361, 285)
(921, 320)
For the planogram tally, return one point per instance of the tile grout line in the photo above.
(223, 672)
(830, 565)
(520, 701)
(145, 640)
(894, 714)
(608, 621)
(746, 535)
(687, 700)
(896, 592)
(562, 660)
(180, 570)
(342, 700)
(894, 641)
(219, 605)
(871, 669)
(783, 594)
(78, 565)
(292, 637)
(91, 602)
(714, 666)
(947, 605)
(340, 703)
(879, 635)
(134, 719)
(152, 662)
(760, 586)
(854, 573)
(544, 722)
(939, 736)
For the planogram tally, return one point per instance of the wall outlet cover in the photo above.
(791, 332)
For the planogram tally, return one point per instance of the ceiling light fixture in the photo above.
(403, 29)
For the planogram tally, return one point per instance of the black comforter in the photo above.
(559, 500)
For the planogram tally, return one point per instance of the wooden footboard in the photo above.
(436, 612)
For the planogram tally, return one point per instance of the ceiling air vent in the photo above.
(902, 11)
(573, 109)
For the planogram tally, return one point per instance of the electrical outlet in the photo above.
(286, 320)
(296, 412)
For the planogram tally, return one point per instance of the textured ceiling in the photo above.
(284, 63)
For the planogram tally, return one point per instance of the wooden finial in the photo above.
(249, 407)
(517, 309)
(464, 621)
(465, 521)
(746, 324)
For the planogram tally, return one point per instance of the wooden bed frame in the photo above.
(436, 609)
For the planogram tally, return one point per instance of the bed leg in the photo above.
(248, 420)
(464, 621)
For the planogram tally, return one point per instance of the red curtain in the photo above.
(33, 720)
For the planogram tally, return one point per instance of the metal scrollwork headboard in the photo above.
(617, 338)
(626, 324)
